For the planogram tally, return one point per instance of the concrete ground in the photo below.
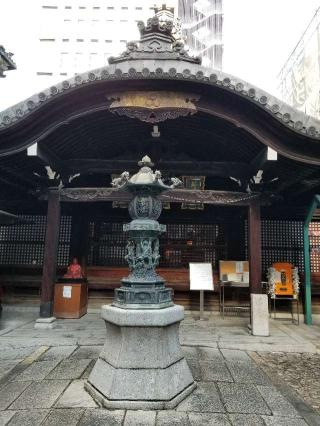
(242, 379)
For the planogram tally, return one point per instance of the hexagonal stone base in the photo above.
(141, 365)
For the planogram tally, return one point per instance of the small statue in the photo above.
(176, 182)
(120, 181)
(74, 270)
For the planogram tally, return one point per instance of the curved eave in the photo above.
(290, 132)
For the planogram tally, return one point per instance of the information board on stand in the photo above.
(201, 278)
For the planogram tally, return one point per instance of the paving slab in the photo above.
(36, 371)
(28, 417)
(87, 352)
(279, 405)
(101, 417)
(140, 418)
(15, 353)
(76, 396)
(58, 352)
(246, 372)
(69, 369)
(5, 416)
(204, 399)
(7, 366)
(242, 398)
(172, 418)
(246, 420)
(235, 355)
(214, 371)
(210, 354)
(63, 417)
(10, 393)
(283, 421)
(201, 419)
(40, 394)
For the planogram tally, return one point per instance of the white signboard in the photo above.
(67, 290)
(239, 267)
(201, 276)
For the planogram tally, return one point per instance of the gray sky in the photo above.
(258, 34)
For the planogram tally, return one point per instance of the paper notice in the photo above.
(201, 277)
(67, 290)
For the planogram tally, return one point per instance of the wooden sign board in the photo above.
(201, 277)
(234, 270)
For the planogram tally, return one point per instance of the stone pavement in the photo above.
(42, 374)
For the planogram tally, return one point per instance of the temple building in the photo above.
(248, 161)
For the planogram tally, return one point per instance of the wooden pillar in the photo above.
(50, 253)
(254, 247)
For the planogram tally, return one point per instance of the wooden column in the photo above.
(50, 253)
(254, 247)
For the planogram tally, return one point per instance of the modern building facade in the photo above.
(299, 79)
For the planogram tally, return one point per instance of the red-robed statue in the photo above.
(74, 270)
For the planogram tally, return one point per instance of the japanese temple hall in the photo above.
(250, 165)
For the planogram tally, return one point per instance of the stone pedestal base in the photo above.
(259, 315)
(45, 323)
(141, 365)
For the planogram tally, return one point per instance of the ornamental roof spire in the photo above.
(160, 38)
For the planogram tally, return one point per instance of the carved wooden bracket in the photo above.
(174, 196)
(153, 107)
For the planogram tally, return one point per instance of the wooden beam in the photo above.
(203, 168)
(223, 198)
(254, 226)
(50, 254)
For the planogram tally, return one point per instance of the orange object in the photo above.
(74, 270)
(284, 283)
(70, 300)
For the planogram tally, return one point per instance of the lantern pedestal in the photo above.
(141, 365)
